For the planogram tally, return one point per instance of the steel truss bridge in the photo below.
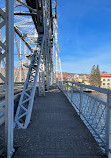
(28, 38)
(29, 43)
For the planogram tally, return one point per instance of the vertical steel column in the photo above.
(67, 88)
(20, 72)
(56, 66)
(108, 126)
(52, 65)
(71, 93)
(55, 34)
(47, 43)
(57, 52)
(0, 48)
(80, 107)
(42, 66)
(41, 77)
(9, 107)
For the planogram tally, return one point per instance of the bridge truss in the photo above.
(28, 41)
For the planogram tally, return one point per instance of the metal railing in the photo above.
(94, 111)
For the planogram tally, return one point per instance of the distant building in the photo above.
(76, 77)
(71, 76)
(64, 75)
(19, 76)
(106, 80)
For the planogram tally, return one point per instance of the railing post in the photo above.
(80, 107)
(72, 93)
(108, 126)
(57, 82)
(62, 87)
(67, 88)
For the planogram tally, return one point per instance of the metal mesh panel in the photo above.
(92, 110)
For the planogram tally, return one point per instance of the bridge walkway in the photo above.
(55, 131)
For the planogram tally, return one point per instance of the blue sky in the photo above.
(84, 28)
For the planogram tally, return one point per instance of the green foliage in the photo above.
(98, 77)
(95, 78)
(92, 76)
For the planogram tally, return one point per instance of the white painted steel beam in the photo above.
(41, 46)
(24, 110)
(9, 106)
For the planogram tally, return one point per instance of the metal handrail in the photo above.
(95, 112)
(98, 89)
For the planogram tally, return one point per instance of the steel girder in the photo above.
(37, 33)
(49, 45)
(7, 55)
(23, 114)
(38, 20)
(42, 77)
(57, 54)
(58, 68)
(24, 110)
(36, 7)
(45, 64)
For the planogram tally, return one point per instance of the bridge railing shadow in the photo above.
(93, 105)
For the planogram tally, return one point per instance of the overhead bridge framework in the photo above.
(32, 24)
(29, 54)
